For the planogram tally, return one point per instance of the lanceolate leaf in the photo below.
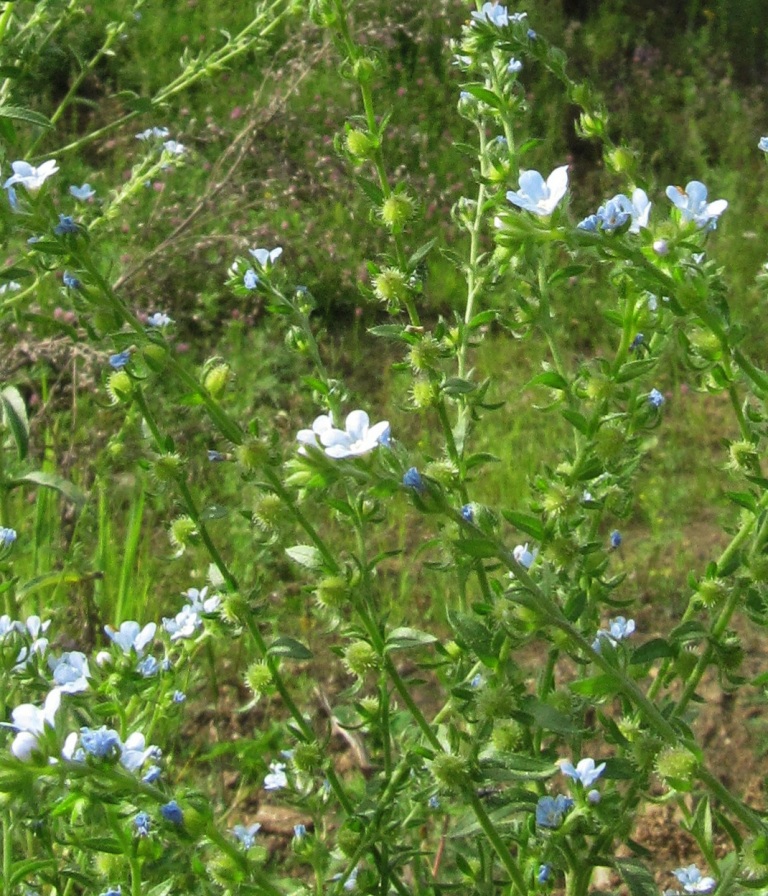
(51, 480)
(15, 416)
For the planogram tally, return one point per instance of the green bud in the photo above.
(167, 467)
(308, 758)
(364, 69)
(711, 592)
(360, 658)
(333, 593)
(119, 387)
(495, 702)
(252, 454)
(507, 736)
(675, 765)
(424, 355)
(391, 286)
(423, 393)
(396, 211)
(450, 772)
(258, 678)
(183, 533)
(360, 145)
(620, 160)
(216, 378)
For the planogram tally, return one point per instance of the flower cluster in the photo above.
(187, 622)
(618, 629)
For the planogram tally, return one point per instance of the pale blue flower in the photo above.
(615, 539)
(250, 279)
(172, 812)
(179, 697)
(158, 133)
(142, 824)
(615, 213)
(159, 319)
(29, 176)
(594, 797)
(320, 425)
(660, 247)
(70, 281)
(585, 771)
(299, 831)
(173, 148)
(112, 891)
(523, 556)
(434, 802)
(468, 513)
(246, 835)
(103, 743)
(215, 457)
(537, 196)
(514, 66)
(7, 536)
(544, 872)
(152, 774)
(70, 672)
(640, 210)
(134, 752)
(276, 779)
(551, 810)
(147, 667)
(83, 193)
(618, 629)
(693, 205)
(10, 286)
(493, 13)
(763, 144)
(636, 342)
(656, 398)
(131, 636)
(692, 880)
(119, 360)
(184, 624)
(412, 479)
(65, 226)
(591, 224)
(30, 722)
(266, 257)
(351, 882)
(477, 681)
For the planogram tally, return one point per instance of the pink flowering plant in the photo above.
(506, 741)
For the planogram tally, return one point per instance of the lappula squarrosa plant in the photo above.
(551, 719)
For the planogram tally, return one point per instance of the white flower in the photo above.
(200, 602)
(537, 196)
(320, 424)
(131, 636)
(585, 771)
(159, 319)
(30, 176)
(357, 438)
(153, 132)
(184, 624)
(70, 672)
(30, 722)
(276, 779)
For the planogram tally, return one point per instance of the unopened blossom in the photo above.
(585, 771)
(65, 226)
(655, 398)
(514, 66)
(250, 279)
(119, 359)
(693, 881)
(640, 210)
(131, 636)
(70, 672)
(172, 812)
(7, 536)
(30, 722)
(537, 196)
(266, 257)
(142, 824)
(103, 743)
(523, 556)
(493, 13)
(616, 539)
(30, 176)
(693, 205)
(70, 281)
(413, 479)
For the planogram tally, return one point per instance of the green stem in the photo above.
(500, 847)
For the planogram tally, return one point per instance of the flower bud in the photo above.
(216, 378)
(450, 772)
(360, 145)
(258, 678)
(252, 454)
(167, 467)
(333, 593)
(183, 533)
(661, 247)
(391, 286)
(676, 765)
(364, 69)
(591, 125)
(620, 160)
(119, 387)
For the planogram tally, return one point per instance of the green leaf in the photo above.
(456, 386)
(419, 254)
(577, 420)
(655, 649)
(480, 548)
(525, 522)
(408, 638)
(290, 649)
(51, 480)
(551, 379)
(19, 113)
(15, 415)
(483, 318)
(517, 767)
(371, 190)
(548, 717)
(595, 686)
(214, 512)
(306, 555)
(637, 877)
(634, 369)
(743, 499)
(471, 633)
(484, 95)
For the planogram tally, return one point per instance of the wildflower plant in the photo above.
(485, 786)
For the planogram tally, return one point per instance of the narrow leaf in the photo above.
(51, 480)
(290, 649)
(15, 415)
